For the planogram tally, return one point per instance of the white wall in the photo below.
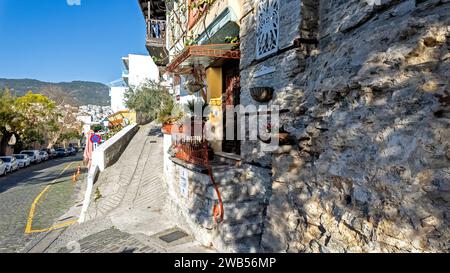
(187, 98)
(179, 92)
(118, 98)
(141, 68)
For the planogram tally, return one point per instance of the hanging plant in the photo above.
(232, 40)
(196, 10)
(200, 4)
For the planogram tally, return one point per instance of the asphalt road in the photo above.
(19, 190)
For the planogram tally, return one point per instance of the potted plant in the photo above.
(196, 119)
(168, 116)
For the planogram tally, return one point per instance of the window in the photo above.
(268, 21)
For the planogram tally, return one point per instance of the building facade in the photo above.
(138, 70)
(117, 93)
(363, 152)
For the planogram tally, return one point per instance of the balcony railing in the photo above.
(156, 33)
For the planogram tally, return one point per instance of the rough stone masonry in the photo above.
(367, 87)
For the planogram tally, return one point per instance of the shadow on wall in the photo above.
(244, 195)
(371, 169)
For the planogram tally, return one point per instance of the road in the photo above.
(20, 190)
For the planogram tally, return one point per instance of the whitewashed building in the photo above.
(117, 93)
(139, 69)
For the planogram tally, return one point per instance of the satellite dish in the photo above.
(12, 141)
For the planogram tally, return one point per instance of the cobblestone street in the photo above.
(128, 214)
(112, 240)
(20, 189)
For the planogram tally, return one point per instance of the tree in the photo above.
(153, 101)
(67, 125)
(67, 136)
(36, 117)
(7, 118)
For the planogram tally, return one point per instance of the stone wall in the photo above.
(244, 202)
(369, 109)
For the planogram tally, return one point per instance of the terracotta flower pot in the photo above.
(167, 128)
(194, 123)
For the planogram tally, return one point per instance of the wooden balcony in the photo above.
(154, 12)
(156, 40)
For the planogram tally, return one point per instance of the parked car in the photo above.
(44, 155)
(2, 168)
(23, 160)
(61, 152)
(77, 149)
(11, 163)
(33, 155)
(51, 152)
(71, 151)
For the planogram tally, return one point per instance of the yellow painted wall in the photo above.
(214, 82)
(132, 117)
(214, 94)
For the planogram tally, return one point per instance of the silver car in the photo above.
(11, 163)
(23, 160)
(2, 167)
(33, 155)
(43, 155)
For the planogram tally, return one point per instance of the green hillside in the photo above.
(74, 93)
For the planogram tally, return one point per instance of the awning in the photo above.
(204, 55)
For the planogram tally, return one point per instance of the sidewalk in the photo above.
(126, 212)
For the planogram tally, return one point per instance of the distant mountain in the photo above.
(74, 93)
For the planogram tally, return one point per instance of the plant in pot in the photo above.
(196, 109)
(169, 115)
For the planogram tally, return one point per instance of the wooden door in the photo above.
(231, 96)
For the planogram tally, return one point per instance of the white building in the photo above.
(86, 121)
(177, 90)
(117, 93)
(139, 69)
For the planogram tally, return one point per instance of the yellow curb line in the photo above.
(57, 226)
(28, 228)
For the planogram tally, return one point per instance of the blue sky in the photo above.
(51, 41)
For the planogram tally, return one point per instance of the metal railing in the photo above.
(156, 30)
(193, 150)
